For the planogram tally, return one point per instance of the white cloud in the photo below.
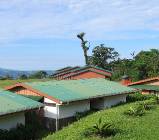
(64, 18)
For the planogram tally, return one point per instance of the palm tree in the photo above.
(84, 46)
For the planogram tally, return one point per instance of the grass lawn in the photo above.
(4, 83)
(145, 127)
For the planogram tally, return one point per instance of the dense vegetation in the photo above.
(135, 127)
(141, 65)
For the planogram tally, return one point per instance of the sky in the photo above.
(41, 34)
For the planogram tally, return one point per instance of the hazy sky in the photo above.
(41, 34)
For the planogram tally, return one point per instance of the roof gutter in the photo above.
(100, 96)
(19, 111)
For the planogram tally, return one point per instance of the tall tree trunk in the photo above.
(86, 57)
(84, 47)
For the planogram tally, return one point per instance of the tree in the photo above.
(39, 75)
(122, 67)
(8, 77)
(84, 46)
(23, 76)
(143, 65)
(147, 63)
(102, 56)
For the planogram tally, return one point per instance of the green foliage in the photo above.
(102, 56)
(122, 67)
(21, 132)
(139, 97)
(135, 111)
(39, 75)
(6, 77)
(140, 107)
(145, 64)
(101, 129)
(149, 104)
(141, 66)
(23, 76)
(136, 128)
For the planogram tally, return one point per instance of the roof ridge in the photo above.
(78, 68)
(99, 68)
(144, 80)
(73, 74)
(65, 72)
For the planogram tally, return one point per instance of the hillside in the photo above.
(135, 128)
(16, 73)
(4, 83)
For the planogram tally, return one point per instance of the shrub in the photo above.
(140, 107)
(140, 97)
(148, 104)
(101, 129)
(135, 111)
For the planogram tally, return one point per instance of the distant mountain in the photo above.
(16, 73)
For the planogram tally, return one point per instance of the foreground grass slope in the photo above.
(145, 127)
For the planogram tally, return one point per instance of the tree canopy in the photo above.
(102, 56)
(39, 75)
(23, 76)
(143, 65)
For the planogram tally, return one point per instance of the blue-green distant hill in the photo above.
(16, 73)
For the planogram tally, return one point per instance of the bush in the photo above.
(135, 111)
(140, 97)
(101, 129)
(140, 107)
(149, 104)
(21, 132)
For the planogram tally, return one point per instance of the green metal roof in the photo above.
(11, 103)
(35, 98)
(72, 90)
(146, 87)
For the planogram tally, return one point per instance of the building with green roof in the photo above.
(147, 89)
(13, 108)
(64, 98)
(147, 86)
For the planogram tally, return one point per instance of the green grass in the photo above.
(145, 127)
(4, 83)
